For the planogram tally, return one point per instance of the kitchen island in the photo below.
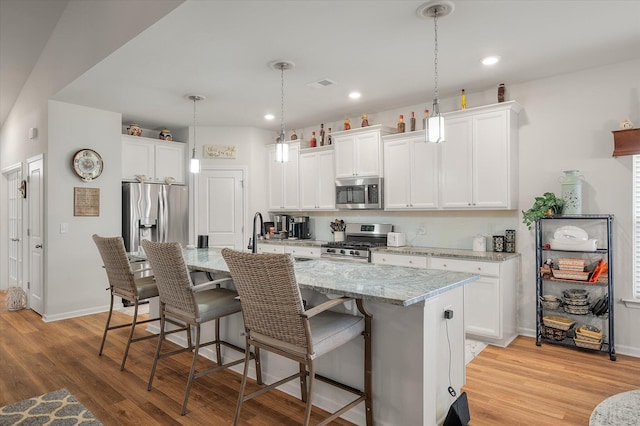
(412, 342)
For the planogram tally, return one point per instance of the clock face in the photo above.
(87, 164)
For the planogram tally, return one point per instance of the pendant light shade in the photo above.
(194, 165)
(282, 149)
(434, 129)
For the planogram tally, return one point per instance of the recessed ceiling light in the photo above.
(491, 60)
(269, 117)
(354, 95)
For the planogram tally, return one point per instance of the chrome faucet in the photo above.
(253, 245)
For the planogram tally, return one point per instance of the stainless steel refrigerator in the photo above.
(155, 212)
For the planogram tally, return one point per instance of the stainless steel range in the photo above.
(359, 239)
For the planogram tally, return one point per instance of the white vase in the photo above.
(338, 236)
(571, 184)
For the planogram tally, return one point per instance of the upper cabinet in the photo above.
(479, 159)
(358, 152)
(283, 186)
(317, 179)
(158, 160)
(411, 169)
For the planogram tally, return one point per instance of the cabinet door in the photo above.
(309, 173)
(170, 161)
(137, 158)
(424, 175)
(397, 174)
(367, 154)
(326, 181)
(344, 156)
(482, 308)
(290, 194)
(275, 187)
(456, 164)
(491, 160)
(399, 260)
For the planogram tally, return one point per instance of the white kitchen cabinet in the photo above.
(411, 169)
(156, 159)
(270, 248)
(479, 158)
(358, 152)
(283, 184)
(317, 179)
(399, 260)
(490, 302)
(303, 251)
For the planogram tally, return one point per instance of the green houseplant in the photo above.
(543, 206)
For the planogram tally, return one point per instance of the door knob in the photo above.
(38, 245)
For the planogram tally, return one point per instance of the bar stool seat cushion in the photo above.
(212, 303)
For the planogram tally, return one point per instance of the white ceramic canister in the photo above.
(571, 184)
(480, 243)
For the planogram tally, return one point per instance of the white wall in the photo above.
(75, 279)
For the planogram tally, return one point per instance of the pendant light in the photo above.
(434, 129)
(282, 149)
(194, 165)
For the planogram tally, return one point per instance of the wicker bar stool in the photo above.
(194, 305)
(275, 320)
(124, 283)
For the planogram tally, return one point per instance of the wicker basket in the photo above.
(550, 304)
(556, 321)
(588, 344)
(589, 333)
(554, 333)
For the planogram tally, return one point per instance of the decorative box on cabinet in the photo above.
(156, 159)
(358, 152)
(479, 159)
(598, 227)
(411, 169)
(283, 186)
(489, 303)
(317, 178)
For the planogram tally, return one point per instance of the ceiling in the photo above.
(222, 49)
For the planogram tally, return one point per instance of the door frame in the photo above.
(195, 194)
(4, 234)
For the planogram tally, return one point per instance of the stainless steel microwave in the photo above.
(359, 193)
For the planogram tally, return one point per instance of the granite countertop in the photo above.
(380, 283)
(487, 256)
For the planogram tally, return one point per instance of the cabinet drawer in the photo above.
(270, 248)
(399, 260)
(311, 252)
(482, 268)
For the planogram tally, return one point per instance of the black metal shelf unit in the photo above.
(600, 226)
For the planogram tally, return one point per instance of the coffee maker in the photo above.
(299, 227)
(282, 223)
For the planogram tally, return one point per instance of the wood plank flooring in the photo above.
(519, 385)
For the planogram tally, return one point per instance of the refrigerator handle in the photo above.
(162, 216)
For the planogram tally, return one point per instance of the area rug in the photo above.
(58, 408)
(622, 409)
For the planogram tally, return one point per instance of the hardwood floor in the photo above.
(519, 385)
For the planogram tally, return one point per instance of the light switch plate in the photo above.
(64, 228)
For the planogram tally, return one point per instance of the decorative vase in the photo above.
(134, 130)
(338, 236)
(165, 135)
(571, 184)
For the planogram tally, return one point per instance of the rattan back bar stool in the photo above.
(276, 321)
(193, 305)
(124, 283)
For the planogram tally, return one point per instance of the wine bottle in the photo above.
(401, 124)
(321, 134)
(412, 122)
(329, 139)
(463, 100)
(313, 142)
(426, 117)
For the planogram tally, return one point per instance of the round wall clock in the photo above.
(87, 164)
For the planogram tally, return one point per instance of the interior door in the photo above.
(220, 207)
(13, 276)
(35, 233)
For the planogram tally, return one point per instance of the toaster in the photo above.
(396, 239)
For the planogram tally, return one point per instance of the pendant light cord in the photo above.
(193, 155)
(436, 102)
(282, 67)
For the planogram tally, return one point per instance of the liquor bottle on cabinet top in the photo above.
(329, 138)
(463, 100)
(426, 117)
(401, 124)
(347, 124)
(321, 134)
(312, 142)
(501, 92)
(412, 122)
(365, 120)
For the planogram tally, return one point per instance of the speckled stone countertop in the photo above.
(381, 283)
(487, 256)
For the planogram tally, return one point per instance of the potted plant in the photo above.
(543, 206)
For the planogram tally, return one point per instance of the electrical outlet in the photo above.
(448, 314)
(422, 230)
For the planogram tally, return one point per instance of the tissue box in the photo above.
(396, 239)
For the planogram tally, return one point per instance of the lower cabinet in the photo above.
(490, 310)
(310, 252)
